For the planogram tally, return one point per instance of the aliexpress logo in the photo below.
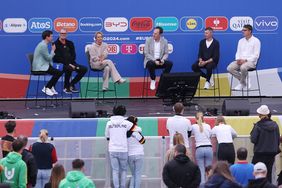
(71, 24)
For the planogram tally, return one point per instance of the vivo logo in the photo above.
(266, 23)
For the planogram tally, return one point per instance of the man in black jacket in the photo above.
(181, 171)
(208, 57)
(65, 54)
(30, 162)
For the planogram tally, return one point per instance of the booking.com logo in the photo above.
(38, 25)
(169, 24)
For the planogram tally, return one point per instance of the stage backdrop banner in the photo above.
(126, 24)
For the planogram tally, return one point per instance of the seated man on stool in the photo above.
(156, 54)
(248, 51)
(65, 54)
(208, 57)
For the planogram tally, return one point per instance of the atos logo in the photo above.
(128, 49)
(237, 23)
(169, 24)
(116, 24)
(14, 25)
(90, 24)
(139, 24)
(113, 49)
(219, 23)
(194, 23)
(141, 48)
(266, 23)
(38, 25)
(70, 24)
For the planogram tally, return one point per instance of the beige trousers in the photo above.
(109, 70)
(240, 71)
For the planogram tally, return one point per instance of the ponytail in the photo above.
(200, 120)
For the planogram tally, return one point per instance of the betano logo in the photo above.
(141, 24)
(116, 24)
(14, 25)
(169, 24)
(90, 24)
(237, 22)
(266, 23)
(70, 24)
(219, 23)
(191, 23)
(38, 25)
(113, 49)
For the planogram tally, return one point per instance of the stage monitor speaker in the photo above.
(80, 109)
(236, 107)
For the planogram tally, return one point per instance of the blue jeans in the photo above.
(204, 158)
(119, 167)
(135, 164)
(43, 177)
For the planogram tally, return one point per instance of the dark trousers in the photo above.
(268, 160)
(79, 69)
(226, 152)
(208, 67)
(56, 74)
(151, 66)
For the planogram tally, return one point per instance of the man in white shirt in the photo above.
(247, 55)
(179, 124)
(156, 55)
(116, 130)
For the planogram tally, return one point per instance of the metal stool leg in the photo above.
(86, 91)
(27, 91)
(258, 85)
(231, 84)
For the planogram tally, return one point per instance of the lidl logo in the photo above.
(70, 24)
(266, 23)
(38, 25)
(90, 24)
(191, 23)
(169, 24)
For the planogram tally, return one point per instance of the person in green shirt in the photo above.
(14, 168)
(76, 177)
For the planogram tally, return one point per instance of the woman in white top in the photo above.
(202, 135)
(224, 135)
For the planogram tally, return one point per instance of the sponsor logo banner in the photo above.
(113, 49)
(90, 24)
(191, 23)
(237, 23)
(0, 25)
(116, 24)
(219, 23)
(266, 23)
(14, 25)
(141, 48)
(38, 25)
(70, 24)
(170, 48)
(169, 24)
(141, 24)
(128, 49)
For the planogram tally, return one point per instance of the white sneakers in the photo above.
(207, 85)
(241, 86)
(121, 81)
(153, 85)
(54, 91)
(49, 92)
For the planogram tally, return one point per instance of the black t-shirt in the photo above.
(6, 144)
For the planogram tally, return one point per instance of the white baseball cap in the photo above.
(263, 110)
(260, 167)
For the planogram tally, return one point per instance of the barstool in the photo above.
(146, 88)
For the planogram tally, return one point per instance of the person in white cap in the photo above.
(260, 181)
(265, 136)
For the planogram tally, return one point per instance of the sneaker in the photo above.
(47, 91)
(207, 85)
(211, 82)
(249, 83)
(67, 91)
(122, 80)
(105, 89)
(153, 85)
(239, 87)
(54, 91)
(73, 89)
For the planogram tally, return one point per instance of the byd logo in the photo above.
(266, 23)
(70, 24)
(116, 24)
(38, 25)
(139, 24)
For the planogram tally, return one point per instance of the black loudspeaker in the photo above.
(82, 109)
(236, 107)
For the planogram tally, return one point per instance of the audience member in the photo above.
(6, 141)
(57, 174)
(177, 139)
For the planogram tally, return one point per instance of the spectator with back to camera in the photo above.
(6, 141)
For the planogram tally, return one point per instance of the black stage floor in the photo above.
(138, 107)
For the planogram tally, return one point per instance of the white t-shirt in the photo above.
(157, 49)
(224, 133)
(208, 43)
(202, 138)
(178, 124)
(134, 145)
(116, 130)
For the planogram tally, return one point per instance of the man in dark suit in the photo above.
(208, 57)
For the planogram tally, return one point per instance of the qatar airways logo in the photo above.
(116, 24)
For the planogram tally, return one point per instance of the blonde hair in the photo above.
(200, 120)
(178, 139)
(97, 33)
(43, 136)
(220, 119)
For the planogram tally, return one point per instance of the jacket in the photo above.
(211, 52)
(181, 172)
(64, 54)
(14, 170)
(150, 48)
(218, 181)
(265, 136)
(30, 162)
(42, 59)
(76, 179)
(260, 183)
